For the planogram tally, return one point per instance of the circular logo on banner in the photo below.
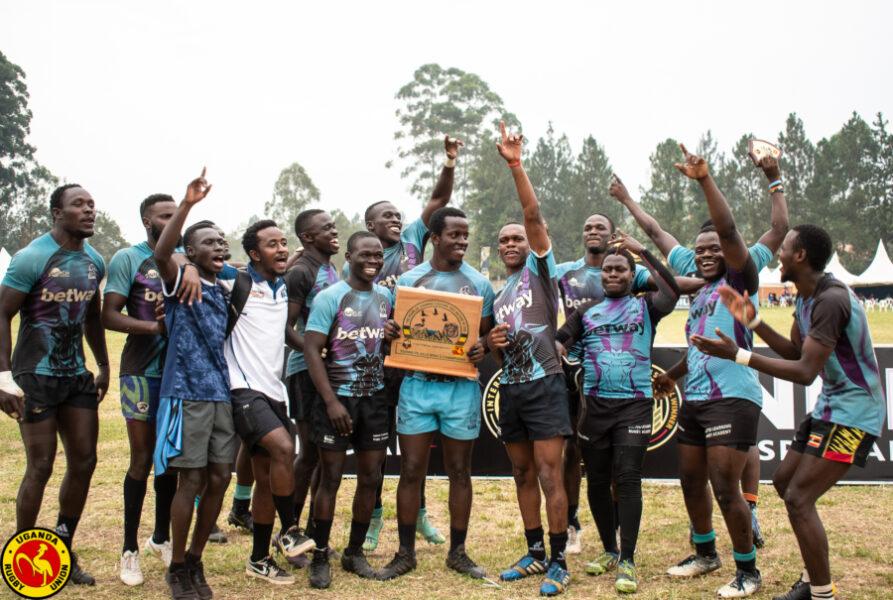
(437, 322)
(36, 563)
(664, 416)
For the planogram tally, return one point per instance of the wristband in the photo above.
(8, 385)
(756, 322)
(743, 357)
(449, 162)
(514, 164)
(774, 183)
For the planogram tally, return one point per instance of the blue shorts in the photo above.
(451, 407)
(139, 397)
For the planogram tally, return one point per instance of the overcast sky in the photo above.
(134, 98)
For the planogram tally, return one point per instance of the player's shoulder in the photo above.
(40, 248)
(566, 267)
(381, 290)
(335, 291)
(411, 276)
(832, 289)
(138, 252)
(94, 256)
(478, 278)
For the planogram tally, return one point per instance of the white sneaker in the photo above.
(744, 585)
(162, 550)
(574, 541)
(131, 574)
(694, 566)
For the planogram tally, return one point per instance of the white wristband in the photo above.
(756, 322)
(743, 357)
(8, 385)
(449, 162)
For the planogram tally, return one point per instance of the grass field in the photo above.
(857, 519)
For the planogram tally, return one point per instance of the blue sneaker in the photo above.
(556, 581)
(525, 567)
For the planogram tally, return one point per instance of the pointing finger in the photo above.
(684, 151)
(204, 170)
(502, 131)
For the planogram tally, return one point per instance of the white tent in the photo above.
(770, 276)
(4, 261)
(880, 271)
(839, 271)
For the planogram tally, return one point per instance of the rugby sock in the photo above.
(457, 537)
(242, 499)
(747, 561)
(357, 537)
(165, 488)
(751, 499)
(261, 540)
(573, 517)
(377, 512)
(705, 543)
(804, 576)
(557, 544)
(192, 559)
(598, 490)
(175, 566)
(822, 592)
(406, 534)
(285, 508)
(627, 473)
(65, 528)
(134, 494)
(321, 531)
(536, 546)
(310, 522)
(198, 499)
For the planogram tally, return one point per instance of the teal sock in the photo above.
(243, 492)
(705, 543)
(747, 561)
(197, 500)
(376, 512)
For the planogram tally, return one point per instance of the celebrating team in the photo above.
(203, 367)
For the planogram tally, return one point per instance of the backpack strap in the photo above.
(237, 299)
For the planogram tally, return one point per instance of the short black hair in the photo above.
(438, 219)
(817, 244)
(357, 236)
(190, 231)
(154, 199)
(56, 196)
(249, 238)
(616, 251)
(302, 221)
(367, 216)
(707, 226)
(606, 217)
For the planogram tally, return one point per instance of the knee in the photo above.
(369, 479)
(726, 495)
(329, 480)
(84, 465)
(283, 454)
(459, 474)
(795, 501)
(191, 482)
(524, 475)
(412, 471)
(140, 465)
(218, 480)
(781, 485)
(40, 469)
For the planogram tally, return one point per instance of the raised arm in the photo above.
(663, 240)
(164, 249)
(443, 189)
(667, 294)
(779, 223)
(534, 225)
(734, 249)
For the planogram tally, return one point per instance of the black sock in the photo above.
(573, 518)
(536, 546)
(627, 471)
(457, 537)
(285, 508)
(557, 544)
(262, 534)
(240, 506)
(65, 528)
(165, 488)
(309, 529)
(357, 537)
(407, 536)
(175, 566)
(598, 489)
(134, 494)
(707, 549)
(192, 559)
(746, 565)
(322, 529)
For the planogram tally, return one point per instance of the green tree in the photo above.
(590, 179)
(744, 187)
(551, 171)
(880, 212)
(293, 191)
(107, 238)
(797, 171)
(669, 198)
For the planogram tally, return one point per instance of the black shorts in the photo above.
(372, 423)
(723, 422)
(534, 410)
(44, 394)
(832, 441)
(255, 415)
(301, 395)
(607, 422)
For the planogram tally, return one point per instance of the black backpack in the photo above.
(237, 299)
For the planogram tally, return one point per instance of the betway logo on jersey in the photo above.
(708, 309)
(69, 295)
(609, 328)
(574, 304)
(525, 300)
(363, 333)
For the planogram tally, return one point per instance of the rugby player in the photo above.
(831, 337)
(430, 404)
(53, 284)
(348, 323)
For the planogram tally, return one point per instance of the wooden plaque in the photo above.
(757, 149)
(437, 329)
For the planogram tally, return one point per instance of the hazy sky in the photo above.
(133, 98)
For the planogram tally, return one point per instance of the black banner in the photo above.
(785, 404)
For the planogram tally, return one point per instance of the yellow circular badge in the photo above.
(36, 563)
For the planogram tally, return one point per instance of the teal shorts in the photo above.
(451, 407)
(139, 397)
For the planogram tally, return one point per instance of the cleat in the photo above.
(241, 521)
(293, 542)
(78, 575)
(695, 565)
(601, 565)
(130, 573)
(427, 530)
(525, 567)
(320, 570)
(402, 563)
(745, 584)
(758, 540)
(217, 536)
(556, 581)
(161, 550)
(358, 565)
(267, 569)
(199, 583)
(460, 562)
(799, 591)
(180, 585)
(574, 541)
(626, 581)
(372, 534)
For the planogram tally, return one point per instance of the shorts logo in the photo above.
(328, 439)
(815, 440)
(36, 563)
(843, 443)
(438, 322)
